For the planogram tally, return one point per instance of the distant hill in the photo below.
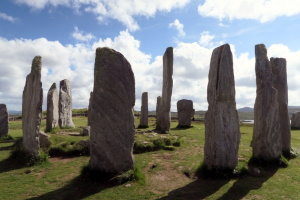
(14, 112)
(246, 109)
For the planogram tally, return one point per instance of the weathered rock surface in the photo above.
(32, 101)
(52, 108)
(185, 112)
(86, 131)
(3, 120)
(222, 129)
(266, 141)
(295, 121)
(112, 119)
(144, 111)
(65, 104)
(89, 109)
(44, 140)
(158, 101)
(163, 117)
(280, 83)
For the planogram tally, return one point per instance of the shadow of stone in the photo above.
(6, 148)
(10, 164)
(199, 189)
(245, 184)
(78, 188)
(181, 127)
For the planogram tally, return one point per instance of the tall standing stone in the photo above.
(52, 108)
(185, 112)
(163, 117)
(89, 109)
(65, 104)
(158, 101)
(112, 119)
(144, 111)
(280, 83)
(222, 129)
(32, 108)
(3, 120)
(266, 141)
(295, 121)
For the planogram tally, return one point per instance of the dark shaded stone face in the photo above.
(111, 115)
(3, 120)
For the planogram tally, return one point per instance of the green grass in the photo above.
(166, 173)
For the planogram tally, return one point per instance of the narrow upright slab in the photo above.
(295, 121)
(32, 101)
(52, 108)
(3, 120)
(65, 104)
(266, 141)
(185, 112)
(280, 83)
(112, 119)
(158, 102)
(222, 129)
(163, 117)
(144, 111)
(89, 109)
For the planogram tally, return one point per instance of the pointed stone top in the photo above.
(53, 86)
(36, 64)
(260, 49)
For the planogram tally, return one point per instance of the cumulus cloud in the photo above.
(178, 26)
(6, 17)
(79, 35)
(206, 39)
(261, 10)
(121, 10)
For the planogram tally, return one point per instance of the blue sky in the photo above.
(67, 32)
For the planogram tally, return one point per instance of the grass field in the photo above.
(169, 174)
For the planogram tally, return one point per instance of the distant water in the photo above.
(247, 121)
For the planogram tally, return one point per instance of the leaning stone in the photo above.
(144, 111)
(222, 129)
(185, 112)
(32, 101)
(295, 122)
(86, 131)
(44, 140)
(65, 104)
(266, 141)
(163, 117)
(280, 83)
(112, 119)
(3, 120)
(52, 108)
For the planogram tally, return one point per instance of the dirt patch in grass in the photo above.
(165, 176)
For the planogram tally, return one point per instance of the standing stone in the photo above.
(32, 108)
(89, 109)
(65, 104)
(185, 112)
(3, 120)
(44, 140)
(52, 108)
(222, 129)
(86, 131)
(144, 111)
(295, 122)
(266, 141)
(112, 119)
(163, 117)
(280, 83)
(158, 101)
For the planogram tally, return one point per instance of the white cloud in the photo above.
(6, 17)
(261, 10)
(121, 10)
(178, 26)
(79, 35)
(206, 39)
